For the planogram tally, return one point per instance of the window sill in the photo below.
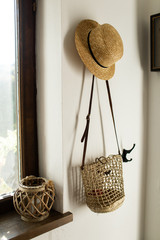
(12, 227)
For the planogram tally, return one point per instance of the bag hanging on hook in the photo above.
(102, 179)
(100, 47)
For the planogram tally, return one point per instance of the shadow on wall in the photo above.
(70, 49)
(78, 192)
(143, 48)
(76, 189)
(41, 86)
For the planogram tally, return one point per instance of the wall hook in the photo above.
(125, 152)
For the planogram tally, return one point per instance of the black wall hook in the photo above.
(125, 152)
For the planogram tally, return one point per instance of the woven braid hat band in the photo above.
(99, 47)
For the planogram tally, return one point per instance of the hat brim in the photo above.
(81, 41)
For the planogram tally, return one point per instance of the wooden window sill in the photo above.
(12, 227)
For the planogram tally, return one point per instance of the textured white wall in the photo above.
(129, 94)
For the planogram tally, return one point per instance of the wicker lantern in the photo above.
(34, 198)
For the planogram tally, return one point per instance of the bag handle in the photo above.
(85, 134)
(111, 107)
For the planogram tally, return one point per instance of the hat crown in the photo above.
(106, 44)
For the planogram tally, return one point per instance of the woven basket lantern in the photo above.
(103, 183)
(34, 198)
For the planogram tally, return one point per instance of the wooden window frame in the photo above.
(11, 224)
(27, 94)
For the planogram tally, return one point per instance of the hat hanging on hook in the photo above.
(99, 47)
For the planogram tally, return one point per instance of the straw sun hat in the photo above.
(99, 47)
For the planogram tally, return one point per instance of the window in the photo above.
(9, 164)
(26, 89)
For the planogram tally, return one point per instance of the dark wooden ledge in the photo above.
(12, 227)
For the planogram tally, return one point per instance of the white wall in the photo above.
(152, 217)
(62, 77)
(49, 95)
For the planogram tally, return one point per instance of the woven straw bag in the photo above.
(103, 182)
(102, 179)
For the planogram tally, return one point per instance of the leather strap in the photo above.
(86, 131)
(85, 134)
